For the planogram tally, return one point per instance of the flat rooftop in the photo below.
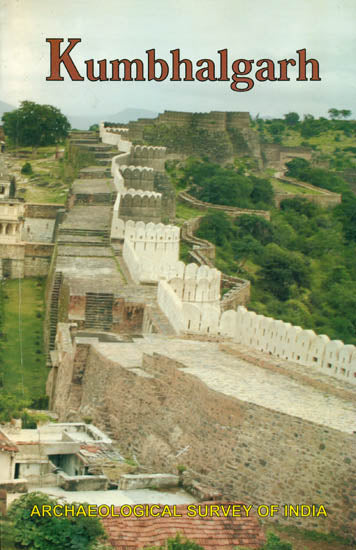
(53, 432)
(92, 186)
(87, 217)
(94, 267)
(116, 497)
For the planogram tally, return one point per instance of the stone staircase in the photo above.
(159, 320)
(53, 315)
(104, 422)
(91, 237)
(95, 172)
(95, 200)
(98, 310)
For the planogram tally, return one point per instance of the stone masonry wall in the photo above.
(42, 210)
(250, 453)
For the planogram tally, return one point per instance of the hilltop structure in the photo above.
(144, 345)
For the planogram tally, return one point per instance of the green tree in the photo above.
(44, 532)
(11, 406)
(281, 269)
(345, 113)
(94, 128)
(291, 119)
(334, 113)
(35, 125)
(215, 227)
(212, 183)
(256, 226)
(276, 129)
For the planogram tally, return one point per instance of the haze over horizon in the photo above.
(121, 29)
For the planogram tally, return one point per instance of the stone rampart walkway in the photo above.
(235, 377)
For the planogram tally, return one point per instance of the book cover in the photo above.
(150, 326)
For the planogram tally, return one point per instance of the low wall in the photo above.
(25, 260)
(229, 210)
(82, 483)
(146, 481)
(14, 486)
(33, 210)
(324, 198)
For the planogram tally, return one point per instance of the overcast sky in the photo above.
(114, 29)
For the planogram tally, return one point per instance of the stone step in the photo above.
(86, 232)
(53, 317)
(103, 162)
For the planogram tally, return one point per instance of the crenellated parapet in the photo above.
(139, 205)
(147, 155)
(150, 250)
(138, 177)
(290, 343)
(158, 236)
(200, 284)
(114, 136)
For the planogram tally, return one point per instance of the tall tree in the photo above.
(291, 119)
(35, 125)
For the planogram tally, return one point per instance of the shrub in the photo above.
(44, 532)
(26, 169)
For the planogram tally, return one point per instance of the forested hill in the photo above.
(302, 263)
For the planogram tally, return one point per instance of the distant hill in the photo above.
(124, 116)
(4, 108)
(82, 122)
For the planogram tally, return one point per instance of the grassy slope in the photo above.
(46, 184)
(325, 142)
(306, 540)
(23, 322)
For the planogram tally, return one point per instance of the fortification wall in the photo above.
(115, 136)
(135, 205)
(232, 211)
(140, 205)
(19, 260)
(45, 211)
(276, 154)
(12, 260)
(323, 198)
(238, 120)
(37, 259)
(38, 230)
(272, 336)
(216, 121)
(116, 163)
(150, 250)
(138, 177)
(290, 342)
(197, 284)
(163, 185)
(153, 157)
(247, 452)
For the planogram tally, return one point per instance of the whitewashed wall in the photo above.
(288, 342)
(155, 248)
